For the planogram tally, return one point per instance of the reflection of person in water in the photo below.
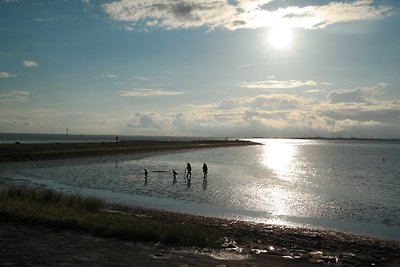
(188, 170)
(188, 183)
(205, 170)
(174, 173)
(204, 183)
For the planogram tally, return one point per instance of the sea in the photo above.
(342, 185)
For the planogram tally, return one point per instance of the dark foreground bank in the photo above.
(44, 227)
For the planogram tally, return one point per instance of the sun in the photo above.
(280, 36)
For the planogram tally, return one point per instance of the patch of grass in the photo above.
(51, 208)
(54, 197)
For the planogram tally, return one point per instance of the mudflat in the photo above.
(245, 243)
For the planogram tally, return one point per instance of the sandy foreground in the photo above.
(246, 244)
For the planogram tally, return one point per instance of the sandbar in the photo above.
(49, 151)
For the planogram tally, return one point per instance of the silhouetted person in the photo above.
(188, 170)
(116, 139)
(205, 170)
(174, 173)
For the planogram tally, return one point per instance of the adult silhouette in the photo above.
(205, 170)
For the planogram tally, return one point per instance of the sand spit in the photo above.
(28, 152)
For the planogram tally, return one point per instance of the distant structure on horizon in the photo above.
(66, 131)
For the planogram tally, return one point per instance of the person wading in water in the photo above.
(205, 170)
(188, 170)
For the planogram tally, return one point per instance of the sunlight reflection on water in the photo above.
(279, 156)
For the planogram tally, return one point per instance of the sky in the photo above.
(223, 68)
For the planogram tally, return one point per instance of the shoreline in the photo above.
(254, 244)
(245, 244)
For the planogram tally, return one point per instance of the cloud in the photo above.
(6, 75)
(316, 16)
(274, 112)
(149, 92)
(231, 103)
(275, 84)
(145, 120)
(110, 75)
(242, 66)
(338, 12)
(10, 1)
(181, 123)
(289, 115)
(384, 112)
(280, 102)
(106, 76)
(55, 121)
(312, 91)
(360, 95)
(250, 5)
(142, 78)
(14, 96)
(174, 14)
(15, 119)
(30, 64)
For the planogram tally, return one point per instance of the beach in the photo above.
(245, 244)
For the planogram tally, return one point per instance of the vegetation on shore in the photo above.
(45, 207)
(50, 208)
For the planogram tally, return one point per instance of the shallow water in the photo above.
(343, 185)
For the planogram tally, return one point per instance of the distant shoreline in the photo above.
(49, 151)
(332, 138)
(11, 138)
(40, 138)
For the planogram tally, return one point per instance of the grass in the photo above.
(50, 208)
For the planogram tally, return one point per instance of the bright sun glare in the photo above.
(279, 157)
(280, 36)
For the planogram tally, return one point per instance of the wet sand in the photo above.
(245, 244)
(21, 245)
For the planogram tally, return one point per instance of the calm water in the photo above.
(343, 185)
